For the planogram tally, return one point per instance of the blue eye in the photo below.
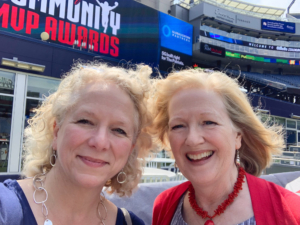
(209, 123)
(176, 127)
(120, 131)
(83, 121)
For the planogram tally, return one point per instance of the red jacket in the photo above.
(271, 203)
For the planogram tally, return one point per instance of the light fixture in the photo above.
(262, 111)
(44, 36)
(295, 116)
(22, 65)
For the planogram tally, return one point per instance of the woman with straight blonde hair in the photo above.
(86, 136)
(220, 146)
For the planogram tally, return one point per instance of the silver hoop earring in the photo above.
(53, 157)
(120, 174)
(237, 157)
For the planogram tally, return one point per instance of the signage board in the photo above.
(117, 29)
(175, 34)
(261, 59)
(212, 50)
(170, 59)
(280, 26)
(246, 43)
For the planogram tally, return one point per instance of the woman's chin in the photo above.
(89, 181)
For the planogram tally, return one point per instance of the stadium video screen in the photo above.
(175, 34)
(261, 59)
(246, 43)
(114, 28)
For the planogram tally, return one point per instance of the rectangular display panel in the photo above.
(170, 59)
(246, 43)
(175, 34)
(261, 59)
(279, 26)
(212, 50)
(118, 29)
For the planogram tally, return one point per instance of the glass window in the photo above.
(31, 104)
(39, 87)
(291, 124)
(291, 137)
(280, 121)
(6, 105)
(298, 126)
(299, 137)
(7, 82)
(265, 118)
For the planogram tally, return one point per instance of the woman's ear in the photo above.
(238, 140)
(55, 132)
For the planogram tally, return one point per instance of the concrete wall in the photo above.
(180, 12)
(160, 5)
(230, 17)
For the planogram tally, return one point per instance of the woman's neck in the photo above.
(76, 202)
(210, 195)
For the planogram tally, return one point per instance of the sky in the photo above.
(278, 3)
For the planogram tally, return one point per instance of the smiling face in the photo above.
(202, 136)
(96, 137)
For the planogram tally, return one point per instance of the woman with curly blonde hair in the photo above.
(86, 136)
(220, 146)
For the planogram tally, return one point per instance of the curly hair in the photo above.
(39, 134)
(259, 140)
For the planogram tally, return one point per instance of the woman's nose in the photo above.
(195, 136)
(99, 139)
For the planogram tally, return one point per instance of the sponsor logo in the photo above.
(167, 33)
(166, 30)
(207, 48)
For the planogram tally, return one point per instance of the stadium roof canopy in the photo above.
(240, 5)
(273, 11)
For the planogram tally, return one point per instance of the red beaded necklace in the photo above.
(221, 208)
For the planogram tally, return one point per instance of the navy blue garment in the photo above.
(15, 209)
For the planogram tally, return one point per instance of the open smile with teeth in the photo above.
(201, 156)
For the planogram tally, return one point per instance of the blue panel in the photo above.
(278, 26)
(175, 34)
(225, 39)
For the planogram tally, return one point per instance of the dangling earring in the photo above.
(53, 157)
(175, 167)
(237, 157)
(120, 174)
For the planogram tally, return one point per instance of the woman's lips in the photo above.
(92, 162)
(199, 156)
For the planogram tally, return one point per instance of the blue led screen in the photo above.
(225, 39)
(279, 26)
(175, 34)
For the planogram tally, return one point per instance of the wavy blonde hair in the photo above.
(259, 141)
(39, 134)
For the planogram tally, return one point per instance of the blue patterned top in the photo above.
(178, 219)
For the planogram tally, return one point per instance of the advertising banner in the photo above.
(212, 50)
(279, 26)
(246, 43)
(261, 59)
(170, 59)
(119, 29)
(175, 34)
